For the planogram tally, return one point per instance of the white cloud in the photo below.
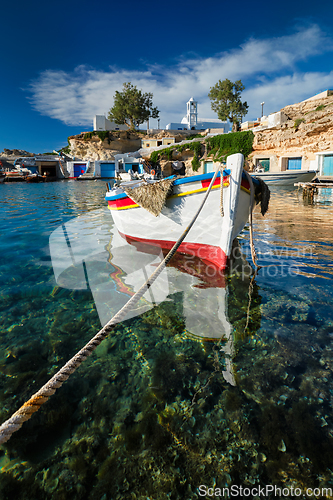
(288, 89)
(74, 98)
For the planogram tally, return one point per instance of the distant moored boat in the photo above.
(285, 178)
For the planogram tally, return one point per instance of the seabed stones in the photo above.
(159, 416)
(149, 414)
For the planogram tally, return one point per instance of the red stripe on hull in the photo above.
(217, 182)
(245, 184)
(122, 202)
(209, 254)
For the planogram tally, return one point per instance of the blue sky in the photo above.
(62, 62)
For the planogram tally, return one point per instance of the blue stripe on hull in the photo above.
(186, 180)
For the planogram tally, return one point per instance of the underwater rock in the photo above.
(282, 447)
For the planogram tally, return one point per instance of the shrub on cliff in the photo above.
(298, 121)
(221, 146)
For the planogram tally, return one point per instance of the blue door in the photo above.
(79, 169)
(294, 164)
(328, 165)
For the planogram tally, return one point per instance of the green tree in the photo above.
(132, 107)
(226, 102)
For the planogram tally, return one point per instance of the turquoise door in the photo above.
(294, 163)
(328, 165)
(263, 163)
(209, 167)
(107, 170)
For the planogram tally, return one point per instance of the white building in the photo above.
(192, 122)
(271, 121)
(102, 123)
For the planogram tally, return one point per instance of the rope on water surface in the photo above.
(15, 422)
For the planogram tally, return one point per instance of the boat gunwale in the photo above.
(177, 182)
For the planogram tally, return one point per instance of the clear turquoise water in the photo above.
(222, 386)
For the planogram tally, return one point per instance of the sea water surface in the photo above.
(214, 386)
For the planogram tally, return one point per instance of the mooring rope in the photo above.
(250, 292)
(15, 422)
(253, 250)
(221, 193)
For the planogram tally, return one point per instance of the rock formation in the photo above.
(15, 153)
(308, 130)
(94, 148)
(8, 157)
(87, 146)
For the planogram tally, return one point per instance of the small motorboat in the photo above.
(15, 176)
(34, 178)
(138, 219)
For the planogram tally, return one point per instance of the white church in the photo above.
(191, 121)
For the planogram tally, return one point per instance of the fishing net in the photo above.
(151, 196)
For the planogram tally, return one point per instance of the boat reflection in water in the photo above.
(114, 270)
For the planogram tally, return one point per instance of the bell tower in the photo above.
(192, 113)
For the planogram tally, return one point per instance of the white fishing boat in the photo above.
(286, 178)
(141, 219)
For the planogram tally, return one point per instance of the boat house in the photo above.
(324, 164)
(50, 166)
(76, 168)
(122, 163)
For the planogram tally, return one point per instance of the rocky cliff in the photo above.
(88, 146)
(308, 130)
(93, 146)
